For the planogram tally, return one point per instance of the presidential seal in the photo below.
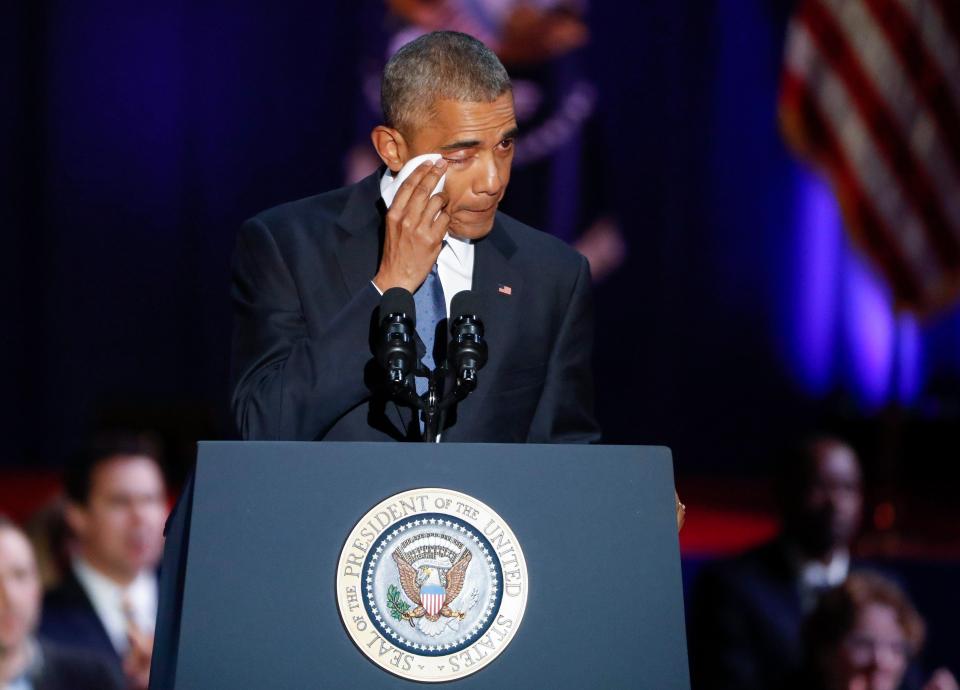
(431, 585)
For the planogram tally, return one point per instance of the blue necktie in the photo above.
(431, 309)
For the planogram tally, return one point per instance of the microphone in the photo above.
(467, 352)
(397, 349)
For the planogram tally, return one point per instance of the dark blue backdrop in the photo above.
(139, 135)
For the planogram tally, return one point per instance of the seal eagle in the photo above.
(413, 585)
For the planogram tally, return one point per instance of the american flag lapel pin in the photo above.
(505, 289)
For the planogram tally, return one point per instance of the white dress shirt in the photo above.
(108, 600)
(816, 577)
(455, 263)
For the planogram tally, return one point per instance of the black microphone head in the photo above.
(464, 303)
(467, 351)
(398, 300)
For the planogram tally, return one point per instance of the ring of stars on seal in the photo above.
(390, 628)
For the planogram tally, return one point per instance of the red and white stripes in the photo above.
(871, 95)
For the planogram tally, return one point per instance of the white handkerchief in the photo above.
(391, 183)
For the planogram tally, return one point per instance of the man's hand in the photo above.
(413, 237)
(681, 511)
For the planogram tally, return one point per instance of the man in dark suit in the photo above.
(308, 276)
(746, 613)
(25, 662)
(106, 602)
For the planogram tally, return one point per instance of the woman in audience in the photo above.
(862, 636)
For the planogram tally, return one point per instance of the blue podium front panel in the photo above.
(269, 521)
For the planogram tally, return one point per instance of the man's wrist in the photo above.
(384, 283)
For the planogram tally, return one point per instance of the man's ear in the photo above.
(390, 146)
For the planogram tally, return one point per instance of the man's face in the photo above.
(477, 139)
(120, 529)
(834, 499)
(19, 589)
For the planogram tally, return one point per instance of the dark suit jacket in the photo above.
(69, 669)
(70, 620)
(745, 619)
(305, 310)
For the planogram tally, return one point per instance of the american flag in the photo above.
(871, 96)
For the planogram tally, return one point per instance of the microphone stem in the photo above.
(404, 394)
(432, 406)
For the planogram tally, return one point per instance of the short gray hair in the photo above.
(439, 65)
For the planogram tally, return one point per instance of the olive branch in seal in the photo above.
(396, 604)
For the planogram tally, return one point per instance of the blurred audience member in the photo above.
(107, 601)
(26, 663)
(746, 612)
(48, 532)
(861, 636)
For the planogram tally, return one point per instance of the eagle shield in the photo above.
(431, 588)
(432, 597)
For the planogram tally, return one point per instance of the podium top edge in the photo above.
(212, 442)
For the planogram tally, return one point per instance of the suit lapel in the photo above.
(497, 283)
(86, 614)
(358, 246)
(358, 253)
(499, 287)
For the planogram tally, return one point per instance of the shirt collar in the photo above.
(385, 180)
(460, 247)
(815, 574)
(96, 583)
(106, 591)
